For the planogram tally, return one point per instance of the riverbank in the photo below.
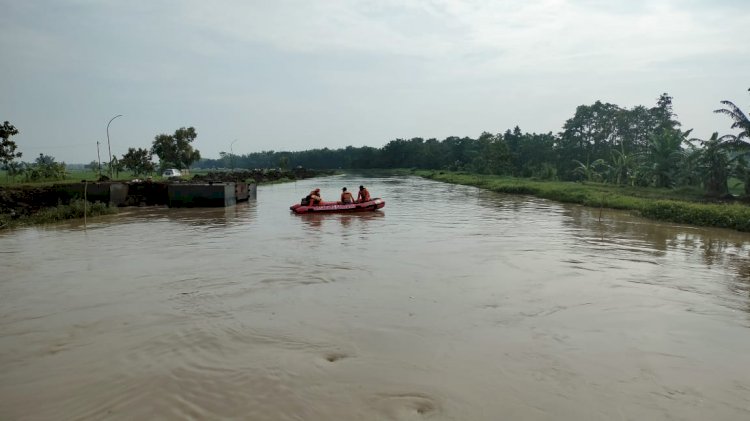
(680, 206)
(46, 202)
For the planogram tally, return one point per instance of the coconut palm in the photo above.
(741, 120)
(740, 143)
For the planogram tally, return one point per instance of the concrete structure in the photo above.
(94, 192)
(252, 191)
(204, 194)
(201, 195)
(118, 194)
(240, 190)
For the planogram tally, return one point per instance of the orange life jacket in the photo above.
(364, 196)
(315, 197)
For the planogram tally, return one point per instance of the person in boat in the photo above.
(364, 195)
(346, 197)
(315, 198)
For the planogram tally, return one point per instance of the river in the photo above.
(451, 303)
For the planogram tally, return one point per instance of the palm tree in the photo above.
(714, 162)
(590, 172)
(664, 156)
(740, 146)
(622, 166)
(741, 121)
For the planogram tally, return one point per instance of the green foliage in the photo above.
(647, 202)
(8, 147)
(739, 143)
(714, 161)
(602, 142)
(592, 171)
(13, 169)
(176, 151)
(93, 166)
(75, 209)
(623, 167)
(138, 161)
(72, 176)
(45, 168)
(734, 216)
(116, 167)
(740, 120)
(664, 156)
(589, 134)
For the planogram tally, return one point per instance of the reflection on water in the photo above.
(358, 220)
(449, 303)
(217, 217)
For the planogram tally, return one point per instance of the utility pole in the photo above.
(109, 146)
(231, 154)
(99, 158)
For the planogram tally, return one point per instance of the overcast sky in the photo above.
(295, 75)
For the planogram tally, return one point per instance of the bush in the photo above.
(73, 210)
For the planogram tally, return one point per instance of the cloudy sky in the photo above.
(295, 75)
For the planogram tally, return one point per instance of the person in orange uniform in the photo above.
(346, 197)
(315, 198)
(364, 195)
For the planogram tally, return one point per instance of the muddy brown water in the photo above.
(451, 304)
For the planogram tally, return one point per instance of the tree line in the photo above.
(174, 151)
(601, 142)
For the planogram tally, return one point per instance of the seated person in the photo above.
(346, 197)
(364, 195)
(315, 198)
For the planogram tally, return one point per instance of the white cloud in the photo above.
(424, 68)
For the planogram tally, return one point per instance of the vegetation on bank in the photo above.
(44, 202)
(680, 206)
(73, 210)
(642, 158)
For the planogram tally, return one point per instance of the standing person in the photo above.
(364, 195)
(315, 198)
(346, 197)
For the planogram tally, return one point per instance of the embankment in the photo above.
(659, 204)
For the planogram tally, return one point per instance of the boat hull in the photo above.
(332, 207)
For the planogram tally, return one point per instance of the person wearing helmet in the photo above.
(364, 195)
(346, 197)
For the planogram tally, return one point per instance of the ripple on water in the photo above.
(210, 315)
(405, 406)
(218, 371)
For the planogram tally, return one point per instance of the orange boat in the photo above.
(370, 205)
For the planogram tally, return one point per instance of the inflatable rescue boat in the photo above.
(370, 205)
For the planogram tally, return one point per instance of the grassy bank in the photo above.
(71, 176)
(75, 209)
(680, 205)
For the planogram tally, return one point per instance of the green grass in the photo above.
(58, 213)
(685, 205)
(76, 176)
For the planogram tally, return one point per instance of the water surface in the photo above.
(452, 303)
